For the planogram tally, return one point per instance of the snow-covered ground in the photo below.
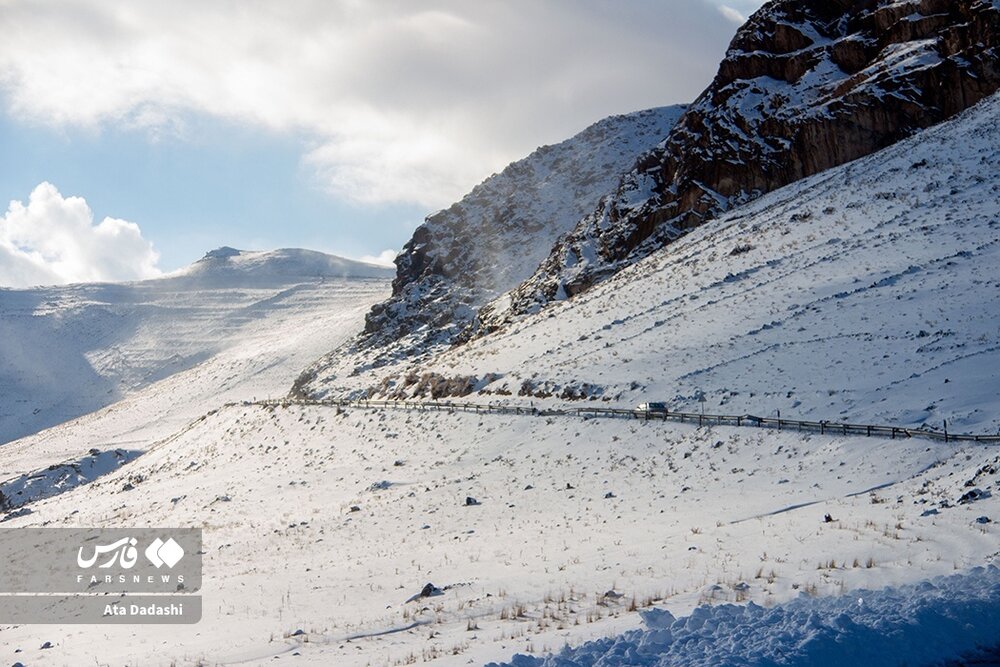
(867, 293)
(67, 351)
(568, 510)
(141, 360)
(923, 624)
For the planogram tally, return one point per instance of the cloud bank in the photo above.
(53, 240)
(396, 101)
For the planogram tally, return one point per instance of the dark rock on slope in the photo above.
(804, 86)
(494, 238)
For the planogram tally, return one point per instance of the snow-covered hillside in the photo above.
(493, 238)
(541, 530)
(804, 86)
(327, 521)
(867, 293)
(67, 351)
(838, 290)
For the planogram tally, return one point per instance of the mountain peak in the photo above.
(223, 252)
(804, 87)
(232, 264)
(495, 236)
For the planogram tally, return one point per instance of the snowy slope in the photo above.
(67, 351)
(570, 509)
(855, 293)
(867, 293)
(804, 86)
(262, 359)
(493, 238)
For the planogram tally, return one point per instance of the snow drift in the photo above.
(921, 624)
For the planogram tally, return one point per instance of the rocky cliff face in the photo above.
(804, 86)
(494, 238)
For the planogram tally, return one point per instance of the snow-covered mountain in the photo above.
(493, 239)
(866, 293)
(804, 86)
(321, 522)
(67, 351)
(227, 265)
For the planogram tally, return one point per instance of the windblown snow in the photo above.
(494, 237)
(136, 362)
(67, 351)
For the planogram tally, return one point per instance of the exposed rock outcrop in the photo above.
(804, 86)
(490, 241)
(494, 238)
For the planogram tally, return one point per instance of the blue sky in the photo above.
(332, 125)
(221, 184)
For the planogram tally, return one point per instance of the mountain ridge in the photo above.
(804, 87)
(228, 262)
(69, 350)
(491, 240)
(771, 308)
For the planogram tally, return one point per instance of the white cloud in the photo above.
(737, 11)
(384, 258)
(53, 240)
(400, 101)
(732, 14)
